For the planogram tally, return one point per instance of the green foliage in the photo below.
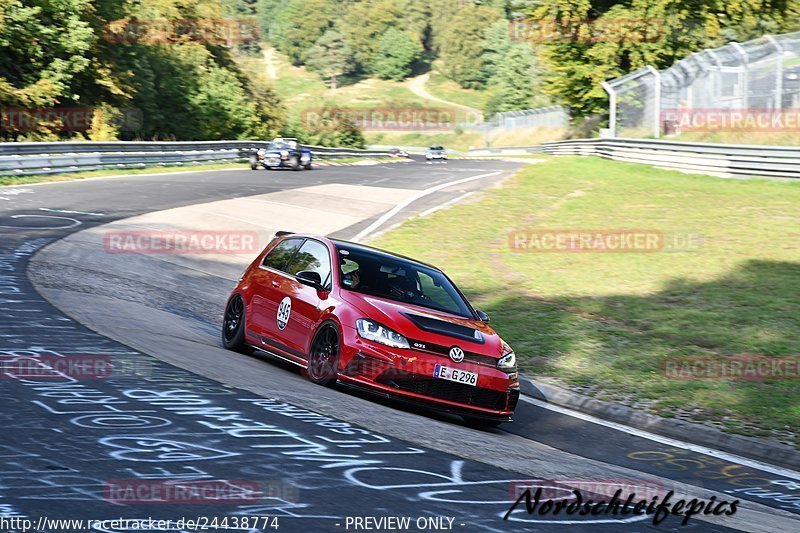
(43, 47)
(642, 32)
(397, 52)
(495, 45)
(331, 130)
(331, 56)
(296, 25)
(516, 80)
(462, 46)
(70, 53)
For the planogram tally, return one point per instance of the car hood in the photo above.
(428, 326)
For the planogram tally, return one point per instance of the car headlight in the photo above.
(284, 153)
(372, 331)
(507, 363)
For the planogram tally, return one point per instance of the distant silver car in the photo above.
(436, 153)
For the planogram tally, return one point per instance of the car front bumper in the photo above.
(409, 375)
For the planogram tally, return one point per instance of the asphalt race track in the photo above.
(176, 407)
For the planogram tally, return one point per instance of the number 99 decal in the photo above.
(284, 310)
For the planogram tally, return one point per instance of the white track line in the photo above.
(778, 471)
(402, 205)
(444, 205)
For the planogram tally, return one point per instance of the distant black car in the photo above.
(397, 152)
(282, 153)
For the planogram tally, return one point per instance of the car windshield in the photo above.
(386, 276)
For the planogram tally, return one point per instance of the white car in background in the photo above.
(436, 153)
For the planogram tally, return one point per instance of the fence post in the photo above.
(612, 107)
(745, 82)
(778, 72)
(656, 102)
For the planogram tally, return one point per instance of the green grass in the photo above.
(41, 178)
(604, 321)
(302, 90)
(454, 141)
(451, 91)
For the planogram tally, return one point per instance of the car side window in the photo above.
(279, 257)
(312, 256)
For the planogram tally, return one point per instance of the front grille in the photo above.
(446, 390)
(444, 351)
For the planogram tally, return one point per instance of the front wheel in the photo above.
(323, 361)
(233, 326)
(295, 164)
(253, 163)
(307, 167)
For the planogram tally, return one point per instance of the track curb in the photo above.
(751, 447)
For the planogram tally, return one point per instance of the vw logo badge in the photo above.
(456, 354)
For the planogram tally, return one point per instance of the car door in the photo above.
(268, 292)
(304, 302)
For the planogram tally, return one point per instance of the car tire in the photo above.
(481, 423)
(323, 358)
(307, 167)
(295, 164)
(253, 163)
(233, 326)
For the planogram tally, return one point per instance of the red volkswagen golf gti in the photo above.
(366, 318)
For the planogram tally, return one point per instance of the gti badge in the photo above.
(456, 354)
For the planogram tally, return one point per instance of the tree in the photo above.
(495, 46)
(397, 52)
(363, 24)
(462, 43)
(331, 56)
(44, 44)
(517, 81)
(298, 24)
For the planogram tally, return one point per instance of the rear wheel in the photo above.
(323, 361)
(307, 167)
(233, 326)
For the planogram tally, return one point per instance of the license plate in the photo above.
(454, 374)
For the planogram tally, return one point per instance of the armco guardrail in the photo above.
(708, 158)
(50, 158)
(509, 150)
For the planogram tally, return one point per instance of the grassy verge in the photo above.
(455, 141)
(70, 176)
(451, 91)
(603, 322)
(303, 90)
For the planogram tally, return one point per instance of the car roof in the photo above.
(355, 247)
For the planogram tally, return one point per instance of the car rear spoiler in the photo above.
(284, 233)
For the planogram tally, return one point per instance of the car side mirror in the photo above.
(310, 278)
(482, 316)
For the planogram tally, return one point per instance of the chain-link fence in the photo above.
(543, 117)
(752, 86)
